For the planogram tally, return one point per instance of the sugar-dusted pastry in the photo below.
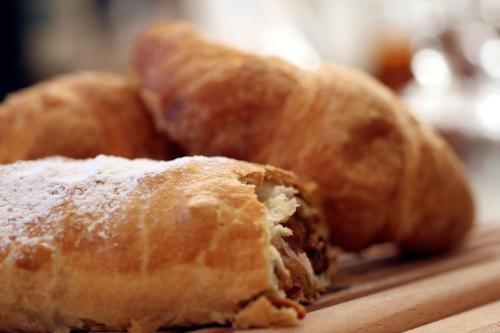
(142, 244)
(79, 115)
(383, 176)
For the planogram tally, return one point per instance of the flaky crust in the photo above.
(188, 246)
(79, 115)
(383, 176)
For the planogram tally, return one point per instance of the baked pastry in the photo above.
(79, 115)
(142, 244)
(383, 176)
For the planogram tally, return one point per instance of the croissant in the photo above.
(111, 243)
(79, 115)
(383, 176)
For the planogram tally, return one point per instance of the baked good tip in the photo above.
(79, 115)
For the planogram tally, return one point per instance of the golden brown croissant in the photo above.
(383, 176)
(142, 244)
(78, 115)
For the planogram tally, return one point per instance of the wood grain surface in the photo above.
(380, 291)
(485, 318)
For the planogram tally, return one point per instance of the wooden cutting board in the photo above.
(380, 291)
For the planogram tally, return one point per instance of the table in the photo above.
(380, 291)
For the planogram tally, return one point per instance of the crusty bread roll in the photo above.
(142, 244)
(79, 115)
(382, 175)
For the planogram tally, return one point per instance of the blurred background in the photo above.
(441, 56)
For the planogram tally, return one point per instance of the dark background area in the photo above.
(13, 75)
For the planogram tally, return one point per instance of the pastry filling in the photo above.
(298, 251)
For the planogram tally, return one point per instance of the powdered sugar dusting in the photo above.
(95, 187)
